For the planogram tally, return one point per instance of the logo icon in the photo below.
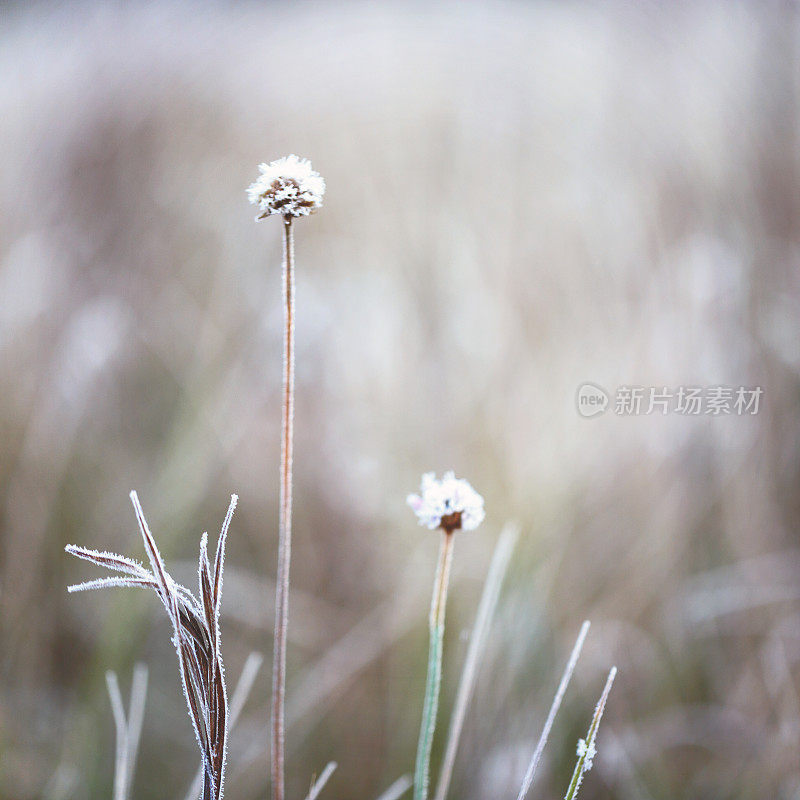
(591, 400)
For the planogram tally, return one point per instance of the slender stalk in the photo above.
(319, 784)
(434, 679)
(581, 765)
(397, 789)
(136, 718)
(477, 643)
(551, 716)
(121, 754)
(128, 729)
(285, 523)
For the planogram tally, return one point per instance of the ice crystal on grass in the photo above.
(288, 186)
(450, 504)
(587, 753)
(196, 636)
(586, 750)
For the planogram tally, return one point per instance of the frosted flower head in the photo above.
(450, 504)
(288, 186)
(587, 753)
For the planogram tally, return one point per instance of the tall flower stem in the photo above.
(434, 679)
(285, 525)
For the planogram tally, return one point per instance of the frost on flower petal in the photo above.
(288, 186)
(450, 503)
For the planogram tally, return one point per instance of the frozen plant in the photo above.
(452, 504)
(288, 186)
(291, 188)
(449, 505)
(196, 635)
(566, 677)
(586, 750)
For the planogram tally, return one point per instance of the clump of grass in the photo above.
(196, 636)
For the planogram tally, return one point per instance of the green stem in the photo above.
(434, 679)
(577, 775)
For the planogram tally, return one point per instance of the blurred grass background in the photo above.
(521, 197)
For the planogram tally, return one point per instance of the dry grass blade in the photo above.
(108, 560)
(398, 788)
(219, 558)
(197, 645)
(245, 684)
(562, 688)
(128, 731)
(360, 646)
(136, 717)
(351, 653)
(121, 725)
(63, 785)
(107, 583)
(156, 562)
(319, 784)
(486, 608)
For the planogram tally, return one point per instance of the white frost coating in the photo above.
(450, 495)
(288, 186)
(586, 753)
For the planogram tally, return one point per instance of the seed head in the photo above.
(288, 186)
(450, 504)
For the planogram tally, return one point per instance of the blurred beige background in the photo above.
(521, 197)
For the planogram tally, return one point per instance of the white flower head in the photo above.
(587, 753)
(450, 504)
(288, 186)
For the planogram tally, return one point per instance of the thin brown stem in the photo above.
(285, 526)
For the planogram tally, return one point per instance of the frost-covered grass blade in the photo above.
(551, 716)
(586, 748)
